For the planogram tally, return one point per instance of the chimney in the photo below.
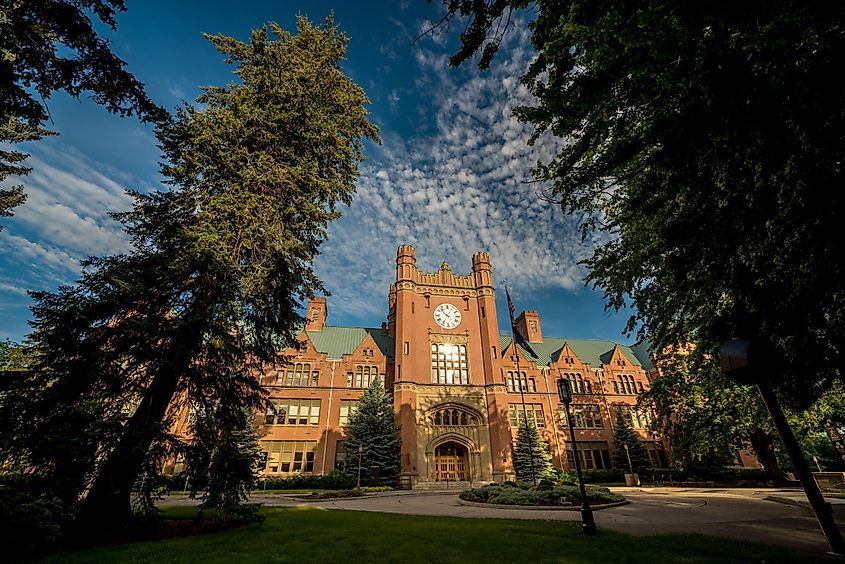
(528, 325)
(384, 327)
(317, 313)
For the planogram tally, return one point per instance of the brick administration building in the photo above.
(455, 384)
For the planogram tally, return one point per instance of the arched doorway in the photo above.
(451, 463)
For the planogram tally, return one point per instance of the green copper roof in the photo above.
(643, 352)
(594, 352)
(335, 342)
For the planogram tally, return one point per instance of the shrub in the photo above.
(506, 494)
(31, 522)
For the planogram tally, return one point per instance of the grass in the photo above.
(321, 535)
(840, 495)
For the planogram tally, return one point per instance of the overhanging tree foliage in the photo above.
(219, 265)
(531, 458)
(51, 45)
(372, 429)
(703, 140)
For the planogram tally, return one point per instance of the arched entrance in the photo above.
(451, 463)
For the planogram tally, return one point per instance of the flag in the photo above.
(517, 336)
(511, 310)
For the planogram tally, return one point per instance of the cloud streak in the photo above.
(464, 187)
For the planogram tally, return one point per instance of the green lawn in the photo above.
(320, 535)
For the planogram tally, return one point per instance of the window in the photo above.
(364, 376)
(640, 387)
(449, 364)
(494, 352)
(637, 418)
(580, 385)
(624, 384)
(293, 412)
(533, 410)
(340, 455)
(289, 457)
(298, 374)
(514, 379)
(453, 417)
(583, 417)
(270, 415)
(315, 313)
(533, 325)
(407, 347)
(280, 378)
(594, 455)
(347, 408)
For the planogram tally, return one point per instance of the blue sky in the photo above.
(451, 177)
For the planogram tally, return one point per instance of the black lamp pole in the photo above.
(588, 524)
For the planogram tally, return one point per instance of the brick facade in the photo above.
(454, 380)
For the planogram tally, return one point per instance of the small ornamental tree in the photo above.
(623, 434)
(371, 427)
(529, 445)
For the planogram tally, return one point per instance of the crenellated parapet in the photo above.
(408, 276)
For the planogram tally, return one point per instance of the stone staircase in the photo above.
(443, 486)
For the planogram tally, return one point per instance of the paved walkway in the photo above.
(743, 514)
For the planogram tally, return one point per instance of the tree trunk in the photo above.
(108, 503)
(764, 448)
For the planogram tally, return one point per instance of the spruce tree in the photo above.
(623, 434)
(372, 427)
(530, 453)
(209, 291)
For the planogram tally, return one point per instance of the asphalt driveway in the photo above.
(769, 516)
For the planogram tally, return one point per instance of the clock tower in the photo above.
(449, 402)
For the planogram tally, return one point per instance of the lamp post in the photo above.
(753, 362)
(588, 524)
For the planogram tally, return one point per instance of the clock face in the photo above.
(447, 316)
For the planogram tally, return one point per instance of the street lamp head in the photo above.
(564, 390)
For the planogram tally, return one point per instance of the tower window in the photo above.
(449, 364)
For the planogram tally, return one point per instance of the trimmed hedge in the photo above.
(332, 481)
(506, 494)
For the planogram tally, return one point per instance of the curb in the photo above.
(540, 507)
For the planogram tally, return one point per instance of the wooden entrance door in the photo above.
(450, 463)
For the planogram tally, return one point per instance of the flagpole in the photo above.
(521, 388)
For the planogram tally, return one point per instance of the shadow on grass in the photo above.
(322, 535)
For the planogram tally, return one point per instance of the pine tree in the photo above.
(530, 453)
(623, 434)
(372, 427)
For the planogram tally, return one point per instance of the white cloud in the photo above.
(467, 187)
(64, 220)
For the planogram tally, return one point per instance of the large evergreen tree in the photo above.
(372, 430)
(624, 435)
(218, 267)
(531, 458)
(50, 45)
(703, 140)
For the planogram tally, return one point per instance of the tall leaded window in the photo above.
(364, 376)
(289, 457)
(449, 364)
(534, 412)
(293, 412)
(298, 374)
(583, 417)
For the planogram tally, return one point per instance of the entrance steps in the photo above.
(443, 486)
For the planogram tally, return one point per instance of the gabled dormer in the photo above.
(565, 358)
